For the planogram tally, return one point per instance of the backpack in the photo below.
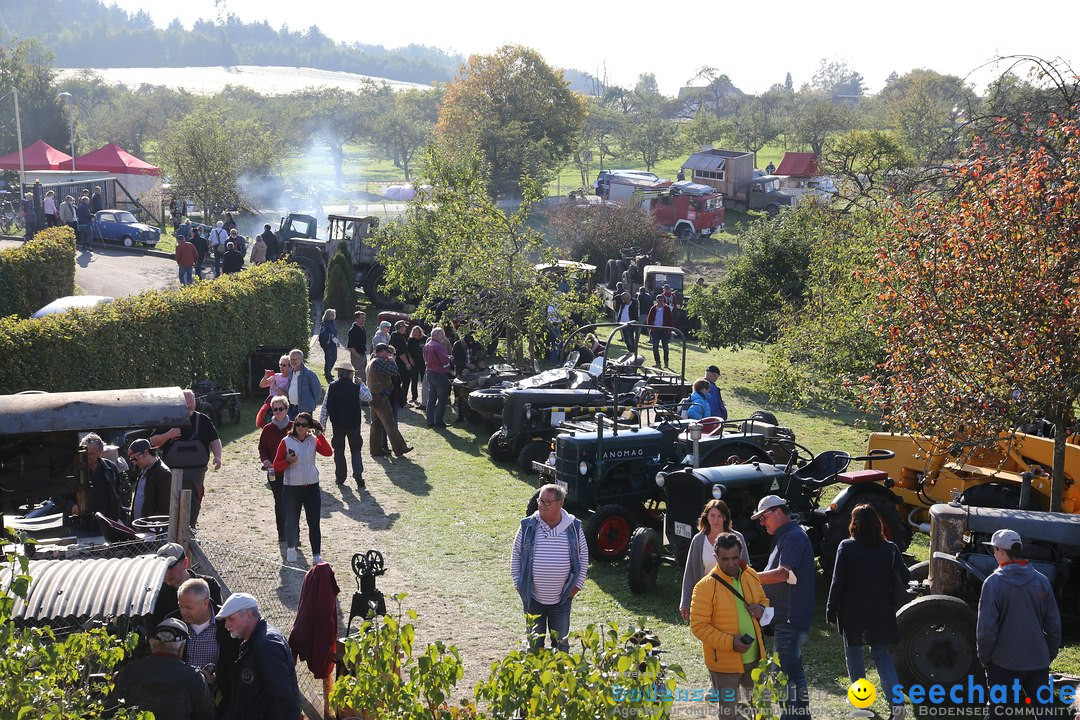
(325, 336)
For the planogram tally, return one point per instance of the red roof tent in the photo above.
(798, 164)
(39, 156)
(113, 159)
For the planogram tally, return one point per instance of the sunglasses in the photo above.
(279, 409)
(303, 425)
(284, 365)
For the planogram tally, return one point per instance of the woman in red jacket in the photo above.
(273, 433)
(295, 458)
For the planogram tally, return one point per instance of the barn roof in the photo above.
(798, 164)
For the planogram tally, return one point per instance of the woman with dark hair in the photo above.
(296, 459)
(861, 601)
(715, 519)
(415, 346)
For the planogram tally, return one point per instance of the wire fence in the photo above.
(277, 588)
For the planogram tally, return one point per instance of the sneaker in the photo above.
(290, 555)
(316, 559)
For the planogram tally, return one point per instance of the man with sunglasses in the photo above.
(548, 565)
(788, 580)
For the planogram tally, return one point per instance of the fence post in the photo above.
(174, 505)
(184, 518)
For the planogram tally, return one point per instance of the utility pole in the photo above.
(18, 139)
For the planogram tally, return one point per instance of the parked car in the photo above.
(123, 227)
(70, 302)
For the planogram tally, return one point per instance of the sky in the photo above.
(754, 43)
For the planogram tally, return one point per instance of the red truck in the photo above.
(688, 209)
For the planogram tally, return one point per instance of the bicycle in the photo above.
(11, 220)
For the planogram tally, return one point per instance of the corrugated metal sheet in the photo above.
(93, 410)
(98, 588)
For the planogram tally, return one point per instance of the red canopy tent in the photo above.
(39, 156)
(113, 159)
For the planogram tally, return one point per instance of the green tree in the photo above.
(206, 152)
(869, 164)
(755, 125)
(815, 117)
(767, 280)
(516, 111)
(835, 79)
(340, 292)
(338, 117)
(405, 123)
(456, 247)
(26, 66)
(927, 109)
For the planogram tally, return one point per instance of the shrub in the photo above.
(595, 234)
(37, 273)
(340, 282)
(159, 338)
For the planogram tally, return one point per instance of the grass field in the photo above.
(446, 521)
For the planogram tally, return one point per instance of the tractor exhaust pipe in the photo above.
(695, 435)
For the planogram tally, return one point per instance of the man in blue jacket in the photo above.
(304, 390)
(548, 565)
(263, 685)
(716, 400)
(1019, 628)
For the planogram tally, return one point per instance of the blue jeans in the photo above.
(186, 276)
(308, 497)
(788, 642)
(436, 402)
(658, 337)
(856, 665)
(550, 618)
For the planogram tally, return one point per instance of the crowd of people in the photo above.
(223, 246)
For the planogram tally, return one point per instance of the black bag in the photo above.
(188, 454)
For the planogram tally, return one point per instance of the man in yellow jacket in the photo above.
(724, 614)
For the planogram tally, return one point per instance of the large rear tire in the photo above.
(937, 642)
(644, 563)
(487, 400)
(611, 274)
(375, 289)
(837, 531)
(315, 274)
(608, 532)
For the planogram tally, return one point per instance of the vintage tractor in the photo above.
(937, 629)
(800, 480)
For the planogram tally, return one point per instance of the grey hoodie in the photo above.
(1019, 625)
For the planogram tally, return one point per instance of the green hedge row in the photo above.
(159, 338)
(37, 273)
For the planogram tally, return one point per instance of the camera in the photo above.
(747, 639)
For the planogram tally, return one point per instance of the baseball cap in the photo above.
(138, 447)
(713, 369)
(237, 602)
(400, 324)
(380, 347)
(1005, 539)
(170, 630)
(766, 504)
(174, 552)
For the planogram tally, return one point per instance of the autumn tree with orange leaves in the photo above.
(979, 305)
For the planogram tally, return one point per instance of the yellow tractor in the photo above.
(1010, 473)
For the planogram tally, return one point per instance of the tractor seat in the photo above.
(857, 477)
(824, 466)
(711, 426)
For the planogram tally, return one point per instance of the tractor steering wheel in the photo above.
(799, 454)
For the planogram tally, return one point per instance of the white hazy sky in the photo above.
(755, 43)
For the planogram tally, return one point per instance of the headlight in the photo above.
(583, 467)
(661, 478)
(718, 492)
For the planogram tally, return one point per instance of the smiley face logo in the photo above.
(862, 693)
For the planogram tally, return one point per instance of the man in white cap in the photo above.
(788, 580)
(162, 683)
(263, 684)
(1019, 628)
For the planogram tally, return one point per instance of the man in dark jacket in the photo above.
(263, 684)
(357, 344)
(626, 310)
(162, 683)
(177, 572)
(210, 649)
(84, 218)
(153, 488)
(201, 429)
(273, 245)
(201, 247)
(1018, 633)
(97, 202)
(104, 480)
(342, 406)
(233, 260)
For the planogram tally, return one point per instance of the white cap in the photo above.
(766, 504)
(235, 603)
(1005, 540)
(172, 552)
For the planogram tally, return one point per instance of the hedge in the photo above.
(160, 338)
(37, 273)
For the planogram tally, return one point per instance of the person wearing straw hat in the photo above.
(263, 684)
(342, 406)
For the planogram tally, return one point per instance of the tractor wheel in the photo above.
(487, 400)
(937, 642)
(534, 504)
(315, 274)
(620, 272)
(375, 289)
(534, 450)
(644, 562)
(773, 210)
(765, 416)
(837, 531)
(684, 233)
(611, 274)
(498, 449)
(608, 532)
